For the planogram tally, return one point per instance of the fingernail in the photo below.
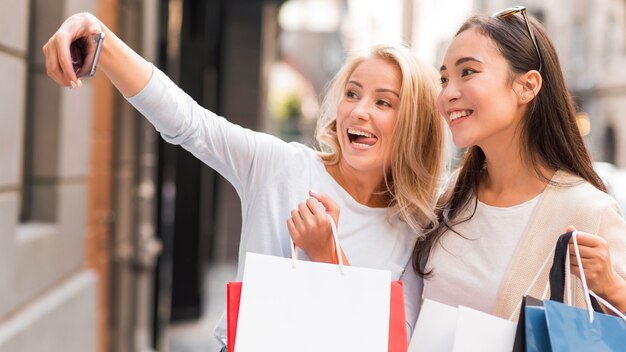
(312, 191)
(72, 85)
(79, 83)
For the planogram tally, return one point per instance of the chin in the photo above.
(461, 144)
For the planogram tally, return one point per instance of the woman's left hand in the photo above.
(310, 229)
(599, 272)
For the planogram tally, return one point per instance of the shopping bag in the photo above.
(478, 331)
(312, 307)
(233, 296)
(286, 305)
(560, 327)
(519, 344)
(534, 325)
(397, 317)
(398, 338)
(444, 328)
(559, 278)
(570, 329)
(435, 327)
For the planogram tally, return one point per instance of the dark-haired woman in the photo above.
(526, 176)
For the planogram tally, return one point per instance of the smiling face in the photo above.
(366, 116)
(478, 99)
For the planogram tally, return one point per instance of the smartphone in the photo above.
(85, 53)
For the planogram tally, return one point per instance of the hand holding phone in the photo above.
(85, 53)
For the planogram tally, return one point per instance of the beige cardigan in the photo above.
(570, 201)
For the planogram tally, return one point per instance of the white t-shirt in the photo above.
(271, 177)
(468, 271)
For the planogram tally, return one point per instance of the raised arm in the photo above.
(126, 69)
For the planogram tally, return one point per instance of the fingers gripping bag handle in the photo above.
(586, 291)
(560, 272)
(333, 227)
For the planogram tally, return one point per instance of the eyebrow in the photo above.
(380, 90)
(461, 61)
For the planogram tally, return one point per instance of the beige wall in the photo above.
(47, 297)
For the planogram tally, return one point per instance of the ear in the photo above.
(530, 85)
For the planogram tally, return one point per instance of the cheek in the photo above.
(340, 116)
(343, 111)
(439, 103)
(390, 124)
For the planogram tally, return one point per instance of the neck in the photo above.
(366, 188)
(509, 179)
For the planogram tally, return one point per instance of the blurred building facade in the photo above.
(105, 230)
(51, 254)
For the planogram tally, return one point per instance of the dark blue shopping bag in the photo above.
(537, 338)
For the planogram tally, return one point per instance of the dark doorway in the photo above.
(609, 145)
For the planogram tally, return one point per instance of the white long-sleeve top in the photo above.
(271, 177)
(495, 279)
(468, 270)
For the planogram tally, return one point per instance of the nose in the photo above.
(447, 95)
(450, 92)
(361, 110)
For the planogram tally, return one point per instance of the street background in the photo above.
(112, 240)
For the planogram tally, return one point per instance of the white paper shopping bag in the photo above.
(312, 307)
(478, 331)
(435, 327)
(444, 328)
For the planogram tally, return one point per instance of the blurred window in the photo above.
(610, 145)
(41, 135)
(609, 39)
(578, 48)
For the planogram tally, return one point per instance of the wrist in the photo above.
(107, 54)
(616, 293)
(325, 255)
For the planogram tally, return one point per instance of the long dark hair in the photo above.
(549, 131)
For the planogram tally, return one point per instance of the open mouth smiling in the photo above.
(456, 115)
(361, 138)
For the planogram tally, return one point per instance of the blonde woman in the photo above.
(381, 137)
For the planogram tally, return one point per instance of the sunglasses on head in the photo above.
(521, 9)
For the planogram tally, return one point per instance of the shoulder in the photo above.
(575, 188)
(301, 154)
(298, 147)
(570, 194)
(293, 160)
(276, 148)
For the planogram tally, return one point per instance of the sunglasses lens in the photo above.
(507, 12)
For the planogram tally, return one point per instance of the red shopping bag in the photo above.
(398, 339)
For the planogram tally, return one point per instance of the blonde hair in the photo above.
(417, 161)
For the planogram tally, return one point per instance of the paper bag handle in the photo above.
(568, 291)
(586, 290)
(333, 227)
(532, 284)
